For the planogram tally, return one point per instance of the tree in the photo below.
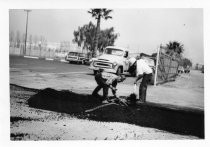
(35, 40)
(106, 38)
(30, 40)
(84, 37)
(11, 38)
(185, 62)
(174, 49)
(23, 38)
(42, 42)
(17, 39)
(64, 46)
(98, 14)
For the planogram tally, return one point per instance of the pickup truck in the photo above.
(114, 60)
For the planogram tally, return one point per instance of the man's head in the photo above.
(141, 55)
(121, 78)
(100, 70)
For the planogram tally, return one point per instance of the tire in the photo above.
(95, 72)
(69, 62)
(83, 62)
(119, 71)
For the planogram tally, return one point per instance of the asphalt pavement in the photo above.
(45, 66)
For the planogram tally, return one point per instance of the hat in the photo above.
(101, 70)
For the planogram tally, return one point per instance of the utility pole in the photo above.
(156, 67)
(27, 11)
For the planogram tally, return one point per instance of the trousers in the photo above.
(102, 85)
(143, 87)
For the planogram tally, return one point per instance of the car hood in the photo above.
(110, 58)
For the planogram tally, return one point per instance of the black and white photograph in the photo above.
(106, 73)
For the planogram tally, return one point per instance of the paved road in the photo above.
(44, 66)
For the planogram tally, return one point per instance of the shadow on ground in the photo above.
(169, 118)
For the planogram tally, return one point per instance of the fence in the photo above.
(37, 51)
(166, 67)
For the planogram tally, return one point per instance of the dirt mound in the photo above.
(150, 115)
(62, 101)
(110, 112)
(178, 120)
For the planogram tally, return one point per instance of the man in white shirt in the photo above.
(143, 71)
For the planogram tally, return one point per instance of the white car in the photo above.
(113, 60)
(75, 57)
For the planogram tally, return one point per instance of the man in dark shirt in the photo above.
(106, 80)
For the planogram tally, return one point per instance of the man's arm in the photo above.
(138, 78)
(111, 79)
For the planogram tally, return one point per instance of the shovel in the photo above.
(133, 96)
(118, 100)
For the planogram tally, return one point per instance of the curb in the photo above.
(48, 59)
(62, 60)
(32, 57)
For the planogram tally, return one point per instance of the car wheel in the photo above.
(133, 74)
(69, 62)
(119, 71)
(95, 72)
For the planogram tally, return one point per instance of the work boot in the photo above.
(139, 101)
(96, 95)
(108, 100)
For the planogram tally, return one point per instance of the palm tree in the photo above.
(174, 48)
(98, 14)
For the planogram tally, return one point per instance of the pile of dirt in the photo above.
(177, 120)
(111, 112)
(62, 101)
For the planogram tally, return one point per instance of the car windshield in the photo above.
(73, 53)
(112, 51)
(81, 55)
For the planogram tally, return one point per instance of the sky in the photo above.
(140, 30)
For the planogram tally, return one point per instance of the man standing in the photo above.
(145, 72)
(106, 80)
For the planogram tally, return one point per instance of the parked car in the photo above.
(202, 69)
(180, 69)
(87, 59)
(76, 57)
(187, 69)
